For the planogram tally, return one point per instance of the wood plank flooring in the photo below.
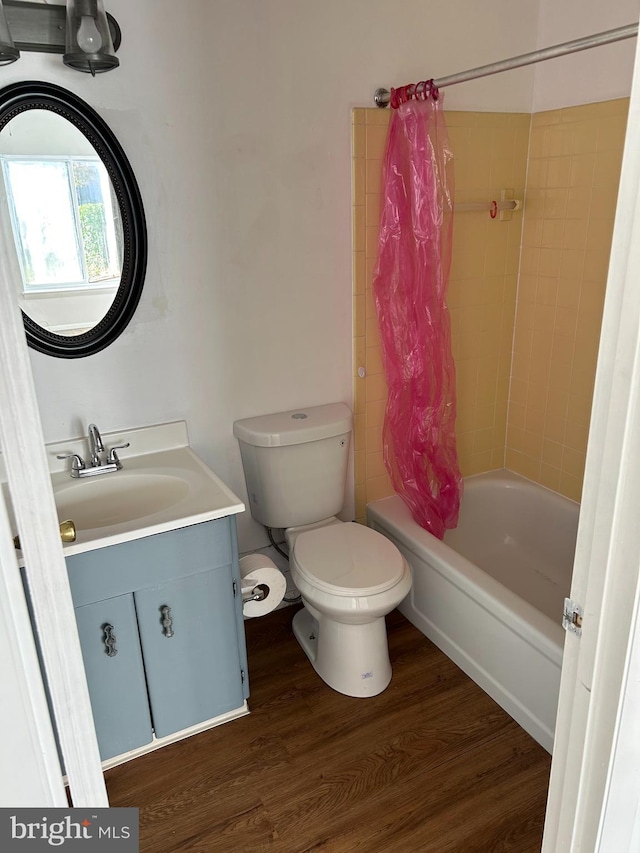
(432, 764)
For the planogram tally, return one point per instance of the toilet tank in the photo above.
(295, 463)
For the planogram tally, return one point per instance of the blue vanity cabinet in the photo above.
(173, 602)
(190, 655)
(115, 674)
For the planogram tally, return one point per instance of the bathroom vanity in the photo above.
(161, 630)
(155, 583)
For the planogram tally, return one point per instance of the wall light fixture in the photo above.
(86, 35)
(8, 51)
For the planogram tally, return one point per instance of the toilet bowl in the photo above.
(295, 466)
(350, 578)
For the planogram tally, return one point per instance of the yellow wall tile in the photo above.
(572, 291)
(574, 234)
(372, 209)
(578, 203)
(359, 233)
(570, 486)
(524, 367)
(376, 138)
(375, 465)
(358, 141)
(375, 414)
(550, 477)
(552, 453)
(371, 240)
(359, 353)
(359, 390)
(376, 115)
(359, 432)
(361, 503)
(611, 133)
(617, 106)
(379, 487)
(581, 173)
(359, 317)
(359, 273)
(373, 360)
(376, 388)
(358, 181)
(373, 175)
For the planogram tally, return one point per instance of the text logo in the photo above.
(88, 830)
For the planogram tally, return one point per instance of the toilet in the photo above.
(295, 466)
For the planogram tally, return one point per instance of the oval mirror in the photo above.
(73, 220)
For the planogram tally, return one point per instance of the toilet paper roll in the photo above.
(257, 573)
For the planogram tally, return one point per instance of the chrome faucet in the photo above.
(96, 447)
(79, 468)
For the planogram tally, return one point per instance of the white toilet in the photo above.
(295, 465)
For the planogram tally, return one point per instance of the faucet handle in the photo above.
(77, 462)
(112, 458)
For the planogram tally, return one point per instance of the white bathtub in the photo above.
(491, 595)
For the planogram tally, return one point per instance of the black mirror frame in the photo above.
(29, 95)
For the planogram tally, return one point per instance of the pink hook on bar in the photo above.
(493, 209)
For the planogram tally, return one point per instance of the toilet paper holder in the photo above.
(258, 593)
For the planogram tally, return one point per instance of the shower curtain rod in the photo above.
(383, 96)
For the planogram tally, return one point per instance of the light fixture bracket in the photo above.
(42, 27)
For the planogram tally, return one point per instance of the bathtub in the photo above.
(491, 594)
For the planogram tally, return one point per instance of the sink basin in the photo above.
(162, 486)
(113, 499)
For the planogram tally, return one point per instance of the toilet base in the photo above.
(353, 659)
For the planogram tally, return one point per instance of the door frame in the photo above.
(596, 689)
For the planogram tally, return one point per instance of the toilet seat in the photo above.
(348, 559)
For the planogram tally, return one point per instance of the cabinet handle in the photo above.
(167, 621)
(110, 640)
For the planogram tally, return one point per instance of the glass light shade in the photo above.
(8, 51)
(89, 46)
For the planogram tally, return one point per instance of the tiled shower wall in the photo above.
(510, 388)
(572, 186)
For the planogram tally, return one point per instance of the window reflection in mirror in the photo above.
(62, 220)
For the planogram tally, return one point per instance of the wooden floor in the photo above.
(432, 764)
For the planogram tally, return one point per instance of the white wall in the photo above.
(599, 74)
(236, 118)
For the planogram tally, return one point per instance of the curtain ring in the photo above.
(399, 96)
(493, 209)
(421, 91)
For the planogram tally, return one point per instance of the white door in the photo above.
(22, 443)
(594, 681)
(27, 751)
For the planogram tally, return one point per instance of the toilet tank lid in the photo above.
(296, 426)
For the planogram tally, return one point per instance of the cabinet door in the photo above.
(190, 648)
(115, 674)
(242, 642)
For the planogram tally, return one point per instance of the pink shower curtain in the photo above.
(409, 284)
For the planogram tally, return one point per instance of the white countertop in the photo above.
(163, 485)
